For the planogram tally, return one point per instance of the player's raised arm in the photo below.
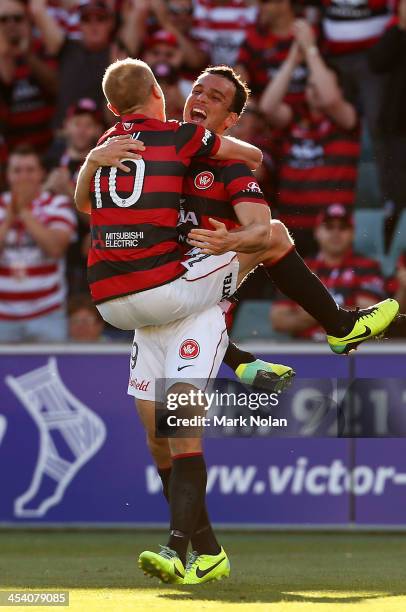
(193, 140)
(232, 148)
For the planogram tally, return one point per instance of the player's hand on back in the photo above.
(115, 150)
(212, 242)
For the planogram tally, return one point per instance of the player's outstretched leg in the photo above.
(271, 377)
(369, 323)
(345, 329)
(205, 568)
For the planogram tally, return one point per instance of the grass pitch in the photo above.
(285, 572)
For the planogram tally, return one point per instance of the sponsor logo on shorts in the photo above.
(194, 259)
(189, 349)
(204, 180)
(227, 284)
(134, 355)
(139, 385)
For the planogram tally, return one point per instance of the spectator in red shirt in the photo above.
(353, 280)
(388, 57)
(164, 55)
(35, 230)
(28, 82)
(317, 160)
(252, 127)
(266, 46)
(82, 129)
(82, 63)
(176, 17)
(350, 30)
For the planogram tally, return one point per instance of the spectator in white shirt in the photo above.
(36, 228)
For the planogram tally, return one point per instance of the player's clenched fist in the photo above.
(115, 150)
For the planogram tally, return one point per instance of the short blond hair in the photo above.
(127, 84)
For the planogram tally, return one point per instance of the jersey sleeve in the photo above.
(60, 214)
(195, 141)
(241, 185)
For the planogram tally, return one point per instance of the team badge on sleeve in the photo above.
(189, 349)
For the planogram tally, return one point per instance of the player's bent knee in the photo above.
(187, 404)
(280, 235)
(159, 449)
(280, 242)
(184, 446)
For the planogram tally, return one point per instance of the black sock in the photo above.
(187, 490)
(292, 276)
(165, 474)
(235, 356)
(203, 539)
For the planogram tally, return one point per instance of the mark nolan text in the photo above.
(223, 421)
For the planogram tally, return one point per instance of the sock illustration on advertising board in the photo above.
(3, 427)
(70, 435)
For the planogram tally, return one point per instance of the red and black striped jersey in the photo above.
(353, 26)
(134, 216)
(354, 278)
(29, 109)
(262, 54)
(211, 189)
(317, 167)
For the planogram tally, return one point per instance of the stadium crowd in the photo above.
(328, 83)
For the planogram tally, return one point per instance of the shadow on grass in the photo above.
(233, 590)
(270, 595)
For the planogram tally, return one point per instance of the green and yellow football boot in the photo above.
(205, 568)
(370, 322)
(165, 565)
(271, 377)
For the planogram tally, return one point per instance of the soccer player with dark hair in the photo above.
(284, 265)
